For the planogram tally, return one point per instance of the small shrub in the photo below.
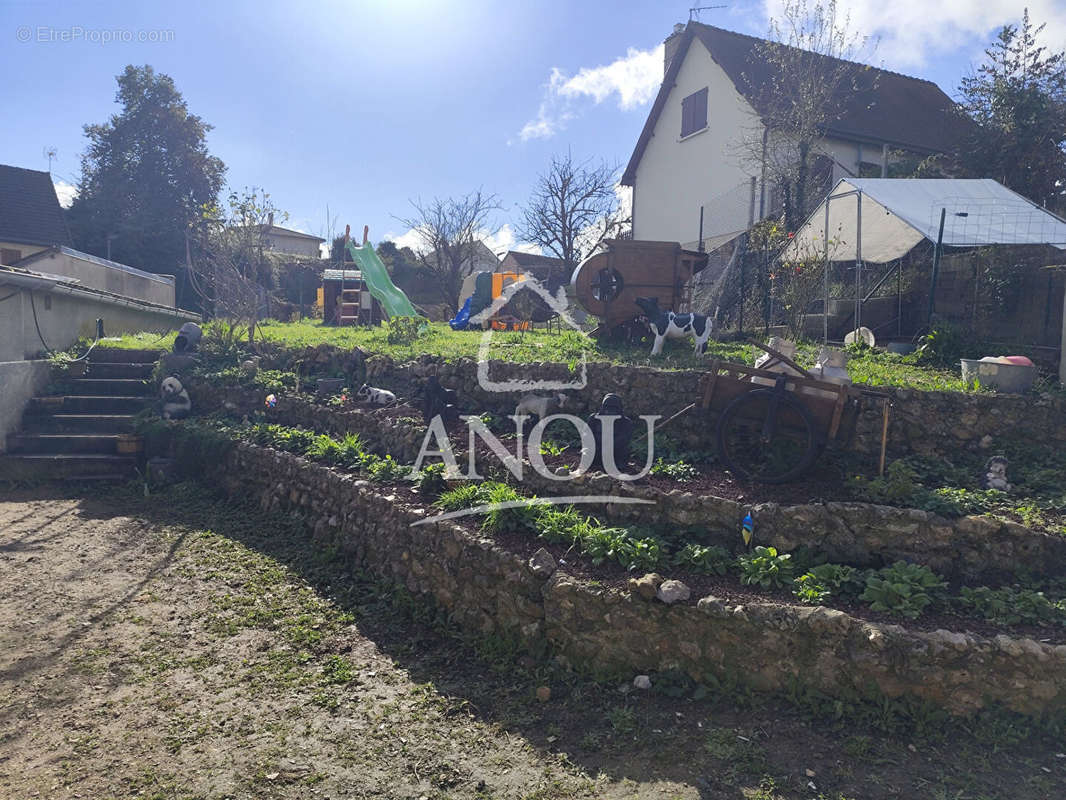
(430, 481)
(402, 330)
(677, 470)
(710, 560)
(765, 567)
(899, 484)
(384, 470)
(1011, 606)
(905, 589)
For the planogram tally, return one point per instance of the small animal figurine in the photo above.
(668, 325)
(438, 401)
(539, 406)
(622, 431)
(174, 400)
(377, 397)
(996, 474)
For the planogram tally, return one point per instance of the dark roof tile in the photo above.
(29, 209)
(878, 106)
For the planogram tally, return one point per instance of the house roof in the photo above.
(29, 209)
(279, 231)
(532, 260)
(80, 256)
(342, 275)
(879, 106)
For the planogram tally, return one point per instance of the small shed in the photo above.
(878, 221)
(345, 299)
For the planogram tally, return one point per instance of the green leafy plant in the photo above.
(765, 567)
(430, 481)
(402, 330)
(677, 470)
(1011, 605)
(905, 589)
(552, 448)
(710, 560)
(384, 470)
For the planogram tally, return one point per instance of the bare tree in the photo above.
(801, 77)
(230, 272)
(450, 230)
(573, 209)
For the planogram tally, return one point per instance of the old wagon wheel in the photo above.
(767, 435)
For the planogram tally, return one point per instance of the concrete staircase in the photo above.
(74, 435)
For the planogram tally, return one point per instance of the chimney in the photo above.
(270, 219)
(673, 41)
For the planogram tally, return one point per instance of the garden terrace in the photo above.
(772, 643)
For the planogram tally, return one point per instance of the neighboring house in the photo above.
(696, 148)
(31, 219)
(286, 240)
(549, 271)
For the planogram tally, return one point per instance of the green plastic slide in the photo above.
(377, 280)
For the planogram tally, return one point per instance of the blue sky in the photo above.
(363, 105)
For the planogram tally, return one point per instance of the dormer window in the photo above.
(694, 113)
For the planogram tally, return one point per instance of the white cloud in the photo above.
(66, 192)
(633, 79)
(412, 238)
(910, 31)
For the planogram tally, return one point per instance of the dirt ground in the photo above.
(177, 646)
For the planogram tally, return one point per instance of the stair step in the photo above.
(66, 467)
(77, 423)
(89, 404)
(116, 369)
(118, 355)
(110, 387)
(57, 443)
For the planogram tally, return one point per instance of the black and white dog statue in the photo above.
(377, 397)
(668, 325)
(174, 399)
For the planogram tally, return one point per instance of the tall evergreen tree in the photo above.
(145, 178)
(1017, 97)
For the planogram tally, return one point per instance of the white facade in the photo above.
(676, 176)
(281, 240)
(719, 167)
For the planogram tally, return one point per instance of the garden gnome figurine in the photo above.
(996, 474)
(621, 432)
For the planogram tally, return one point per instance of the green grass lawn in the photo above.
(875, 368)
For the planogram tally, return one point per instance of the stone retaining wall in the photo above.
(860, 534)
(489, 590)
(926, 423)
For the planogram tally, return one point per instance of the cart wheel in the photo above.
(767, 435)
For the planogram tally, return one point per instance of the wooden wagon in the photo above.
(771, 426)
(608, 283)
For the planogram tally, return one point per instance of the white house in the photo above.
(696, 149)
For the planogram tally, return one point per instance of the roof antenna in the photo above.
(50, 153)
(694, 13)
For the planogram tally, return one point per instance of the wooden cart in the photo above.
(771, 427)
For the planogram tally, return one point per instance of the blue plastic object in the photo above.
(462, 319)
